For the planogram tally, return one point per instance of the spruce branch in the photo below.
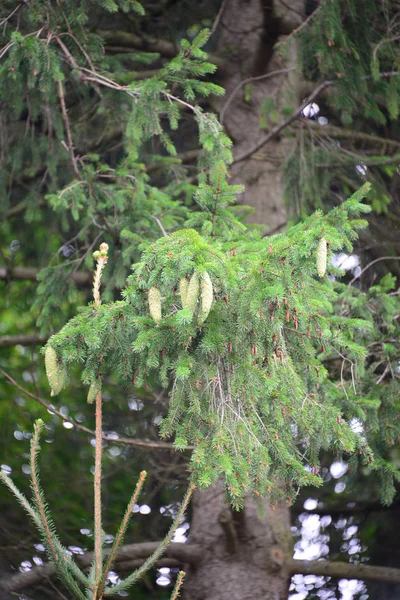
(63, 564)
(21, 498)
(34, 514)
(178, 585)
(158, 552)
(38, 494)
(121, 532)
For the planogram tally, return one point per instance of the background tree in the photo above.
(65, 112)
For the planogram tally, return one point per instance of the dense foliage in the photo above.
(266, 357)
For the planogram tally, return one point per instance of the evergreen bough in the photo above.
(248, 387)
(235, 326)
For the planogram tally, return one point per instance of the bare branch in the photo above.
(31, 273)
(218, 17)
(278, 128)
(303, 24)
(157, 220)
(370, 265)
(130, 554)
(22, 340)
(340, 569)
(342, 133)
(68, 130)
(12, 13)
(184, 553)
(114, 37)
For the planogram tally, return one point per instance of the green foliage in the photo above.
(359, 58)
(246, 382)
(377, 402)
(340, 46)
(266, 359)
(68, 571)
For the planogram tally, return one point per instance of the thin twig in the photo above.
(119, 440)
(303, 24)
(370, 265)
(6, 19)
(68, 130)
(157, 220)
(249, 80)
(278, 128)
(218, 17)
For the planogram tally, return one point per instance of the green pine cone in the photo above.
(155, 304)
(55, 371)
(206, 298)
(193, 292)
(322, 252)
(183, 290)
(94, 390)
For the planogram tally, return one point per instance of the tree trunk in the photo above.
(243, 552)
(248, 32)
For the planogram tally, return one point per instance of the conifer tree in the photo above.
(238, 328)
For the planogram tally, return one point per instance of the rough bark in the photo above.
(248, 32)
(242, 553)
